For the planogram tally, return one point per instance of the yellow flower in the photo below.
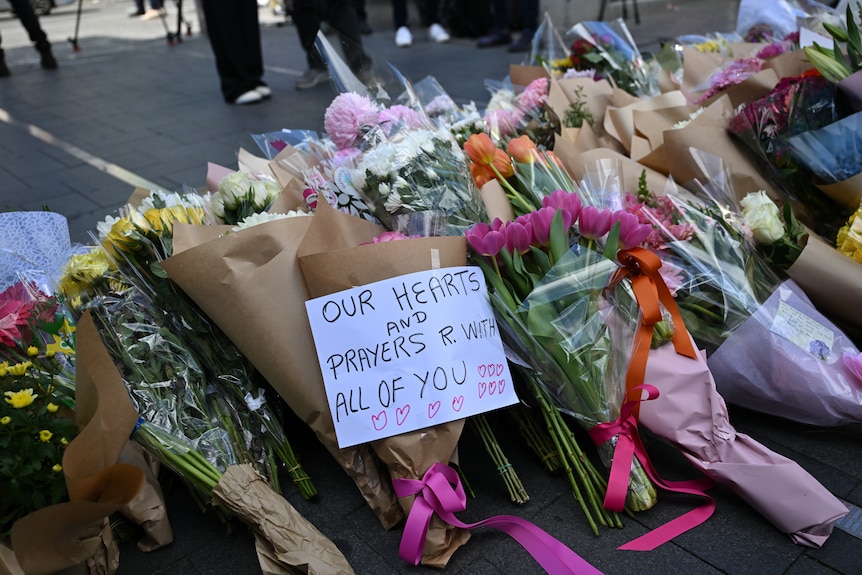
(154, 218)
(196, 215)
(57, 468)
(52, 407)
(5, 420)
(32, 351)
(19, 369)
(45, 435)
(123, 236)
(849, 240)
(4, 368)
(19, 399)
(64, 442)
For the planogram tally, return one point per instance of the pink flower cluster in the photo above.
(734, 73)
(662, 210)
(350, 116)
(534, 228)
(507, 120)
(16, 309)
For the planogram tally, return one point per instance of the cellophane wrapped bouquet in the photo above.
(413, 176)
(769, 348)
(547, 273)
(521, 110)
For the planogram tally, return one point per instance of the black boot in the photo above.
(48, 61)
(4, 69)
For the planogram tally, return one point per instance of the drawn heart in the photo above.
(501, 385)
(500, 368)
(483, 387)
(491, 369)
(401, 414)
(379, 421)
(433, 408)
(492, 387)
(482, 369)
(458, 402)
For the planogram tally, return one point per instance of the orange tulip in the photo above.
(480, 148)
(482, 174)
(523, 149)
(503, 164)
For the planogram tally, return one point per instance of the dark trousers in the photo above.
(234, 34)
(341, 15)
(529, 15)
(24, 10)
(430, 12)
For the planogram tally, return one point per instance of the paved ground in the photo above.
(130, 110)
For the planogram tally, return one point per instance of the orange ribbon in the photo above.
(650, 291)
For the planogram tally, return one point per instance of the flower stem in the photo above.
(517, 493)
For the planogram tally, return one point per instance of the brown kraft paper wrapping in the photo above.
(71, 534)
(332, 260)
(257, 272)
(847, 193)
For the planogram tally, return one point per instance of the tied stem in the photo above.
(517, 492)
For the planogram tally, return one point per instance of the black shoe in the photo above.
(48, 62)
(311, 78)
(523, 43)
(495, 39)
(364, 28)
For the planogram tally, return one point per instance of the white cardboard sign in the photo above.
(409, 352)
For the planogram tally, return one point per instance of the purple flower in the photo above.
(484, 240)
(568, 202)
(594, 223)
(632, 232)
(519, 235)
(541, 223)
(399, 116)
(347, 117)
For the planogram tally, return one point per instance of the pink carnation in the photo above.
(348, 117)
(534, 95)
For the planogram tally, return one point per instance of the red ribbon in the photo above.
(440, 491)
(629, 445)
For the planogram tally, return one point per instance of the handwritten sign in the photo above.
(409, 352)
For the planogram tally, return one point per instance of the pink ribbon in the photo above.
(628, 446)
(440, 491)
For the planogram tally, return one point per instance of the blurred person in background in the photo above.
(500, 35)
(430, 13)
(24, 11)
(364, 27)
(341, 16)
(157, 8)
(233, 30)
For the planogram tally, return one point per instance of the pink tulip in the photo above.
(594, 223)
(519, 236)
(569, 202)
(485, 240)
(632, 232)
(541, 223)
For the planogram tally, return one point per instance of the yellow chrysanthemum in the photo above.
(155, 219)
(19, 399)
(19, 369)
(64, 442)
(57, 468)
(849, 240)
(4, 368)
(5, 420)
(45, 435)
(52, 407)
(123, 236)
(32, 351)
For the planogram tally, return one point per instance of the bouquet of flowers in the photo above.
(239, 196)
(731, 298)
(795, 106)
(609, 50)
(412, 176)
(37, 383)
(512, 113)
(546, 277)
(442, 111)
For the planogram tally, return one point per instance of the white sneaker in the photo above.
(403, 37)
(438, 34)
(249, 97)
(264, 91)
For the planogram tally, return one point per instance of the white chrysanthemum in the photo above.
(103, 227)
(400, 183)
(384, 189)
(263, 217)
(393, 202)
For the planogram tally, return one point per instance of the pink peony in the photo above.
(348, 117)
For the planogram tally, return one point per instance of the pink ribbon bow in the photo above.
(628, 446)
(440, 491)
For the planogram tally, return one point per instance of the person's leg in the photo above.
(342, 17)
(399, 13)
(307, 20)
(24, 11)
(4, 69)
(157, 4)
(431, 20)
(500, 33)
(530, 21)
(234, 35)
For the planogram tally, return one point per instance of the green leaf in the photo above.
(837, 32)
(612, 245)
(559, 237)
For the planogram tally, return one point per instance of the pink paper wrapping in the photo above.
(691, 414)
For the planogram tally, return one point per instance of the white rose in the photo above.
(233, 187)
(761, 215)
